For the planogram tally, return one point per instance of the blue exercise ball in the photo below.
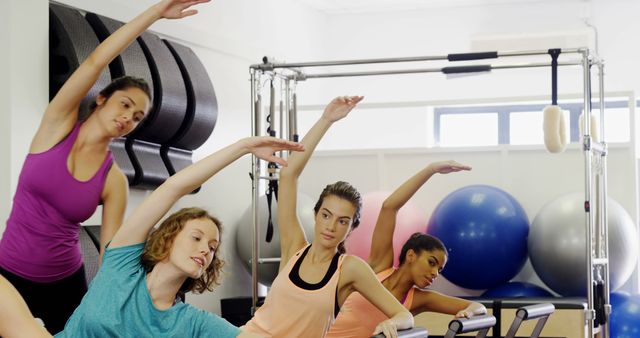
(485, 231)
(517, 290)
(624, 321)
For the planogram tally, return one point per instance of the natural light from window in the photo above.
(616, 124)
(476, 129)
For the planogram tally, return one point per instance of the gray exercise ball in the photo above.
(557, 245)
(244, 235)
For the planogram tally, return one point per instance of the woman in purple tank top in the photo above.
(69, 171)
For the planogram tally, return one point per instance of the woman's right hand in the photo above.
(264, 147)
(339, 107)
(388, 328)
(177, 9)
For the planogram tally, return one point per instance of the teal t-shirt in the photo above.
(118, 304)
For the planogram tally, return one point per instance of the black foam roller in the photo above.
(131, 61)
(71, 41)
(121, 156)
(202, 107)
(177, 159)
(153, 170)
(90, 255)
(170, 98)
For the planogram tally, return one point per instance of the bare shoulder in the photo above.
(116, 181)
(354, 266)
(353, 261)
(116, 174)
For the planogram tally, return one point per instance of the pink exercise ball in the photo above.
(410, 219)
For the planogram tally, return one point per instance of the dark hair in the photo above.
(160, 241)
(419, 242)
(346, 192)
(122, 83)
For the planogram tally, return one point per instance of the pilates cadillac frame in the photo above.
(595, 152)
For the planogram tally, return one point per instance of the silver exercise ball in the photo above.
(557, 245)
(244, 235)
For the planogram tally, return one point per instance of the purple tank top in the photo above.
(41, 240)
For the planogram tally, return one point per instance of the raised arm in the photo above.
(114, 204)
(15, 318)
(291, 235)
(381, 256)
(434, 301)
(358, 276)
(62, 112)
(138, 225)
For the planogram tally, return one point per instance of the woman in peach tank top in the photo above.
(421, 260)
(316, 278)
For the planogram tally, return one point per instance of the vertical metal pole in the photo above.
(255, 177)
(604, 235)
(287, 106)
(587, 190)
(294, 114)
(272, 106)
(281, 111)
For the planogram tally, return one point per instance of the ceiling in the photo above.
(371, 6)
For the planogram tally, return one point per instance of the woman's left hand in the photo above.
(339, 107)
(388, 328)
(464, 314)
(446, 167)
(264, 147)
(178, 9)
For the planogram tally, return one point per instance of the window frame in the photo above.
(504, 112)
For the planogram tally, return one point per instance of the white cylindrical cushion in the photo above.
(554, 126)
(595, 131)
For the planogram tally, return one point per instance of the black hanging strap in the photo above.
(554, 75)
(272, 189)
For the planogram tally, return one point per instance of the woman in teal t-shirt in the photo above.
(134, 292)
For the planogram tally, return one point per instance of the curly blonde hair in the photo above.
(158, 247)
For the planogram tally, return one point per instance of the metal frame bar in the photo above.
(267, 66)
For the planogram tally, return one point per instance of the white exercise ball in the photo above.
(244, 234)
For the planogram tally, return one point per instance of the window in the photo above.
(479, 129)
(616, 124)
(418, 125)
(520, 124)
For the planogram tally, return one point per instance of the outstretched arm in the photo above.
(15, 318)
(381, 256)
(291, 235)
(137, 226)
(358, 276)
(62, 112)
(434, 301)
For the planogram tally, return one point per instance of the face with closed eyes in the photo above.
(121, 112)
(333, 221)
(426, 266)
(195, 246)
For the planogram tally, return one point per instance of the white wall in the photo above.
(24, 33)
(5, 128)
